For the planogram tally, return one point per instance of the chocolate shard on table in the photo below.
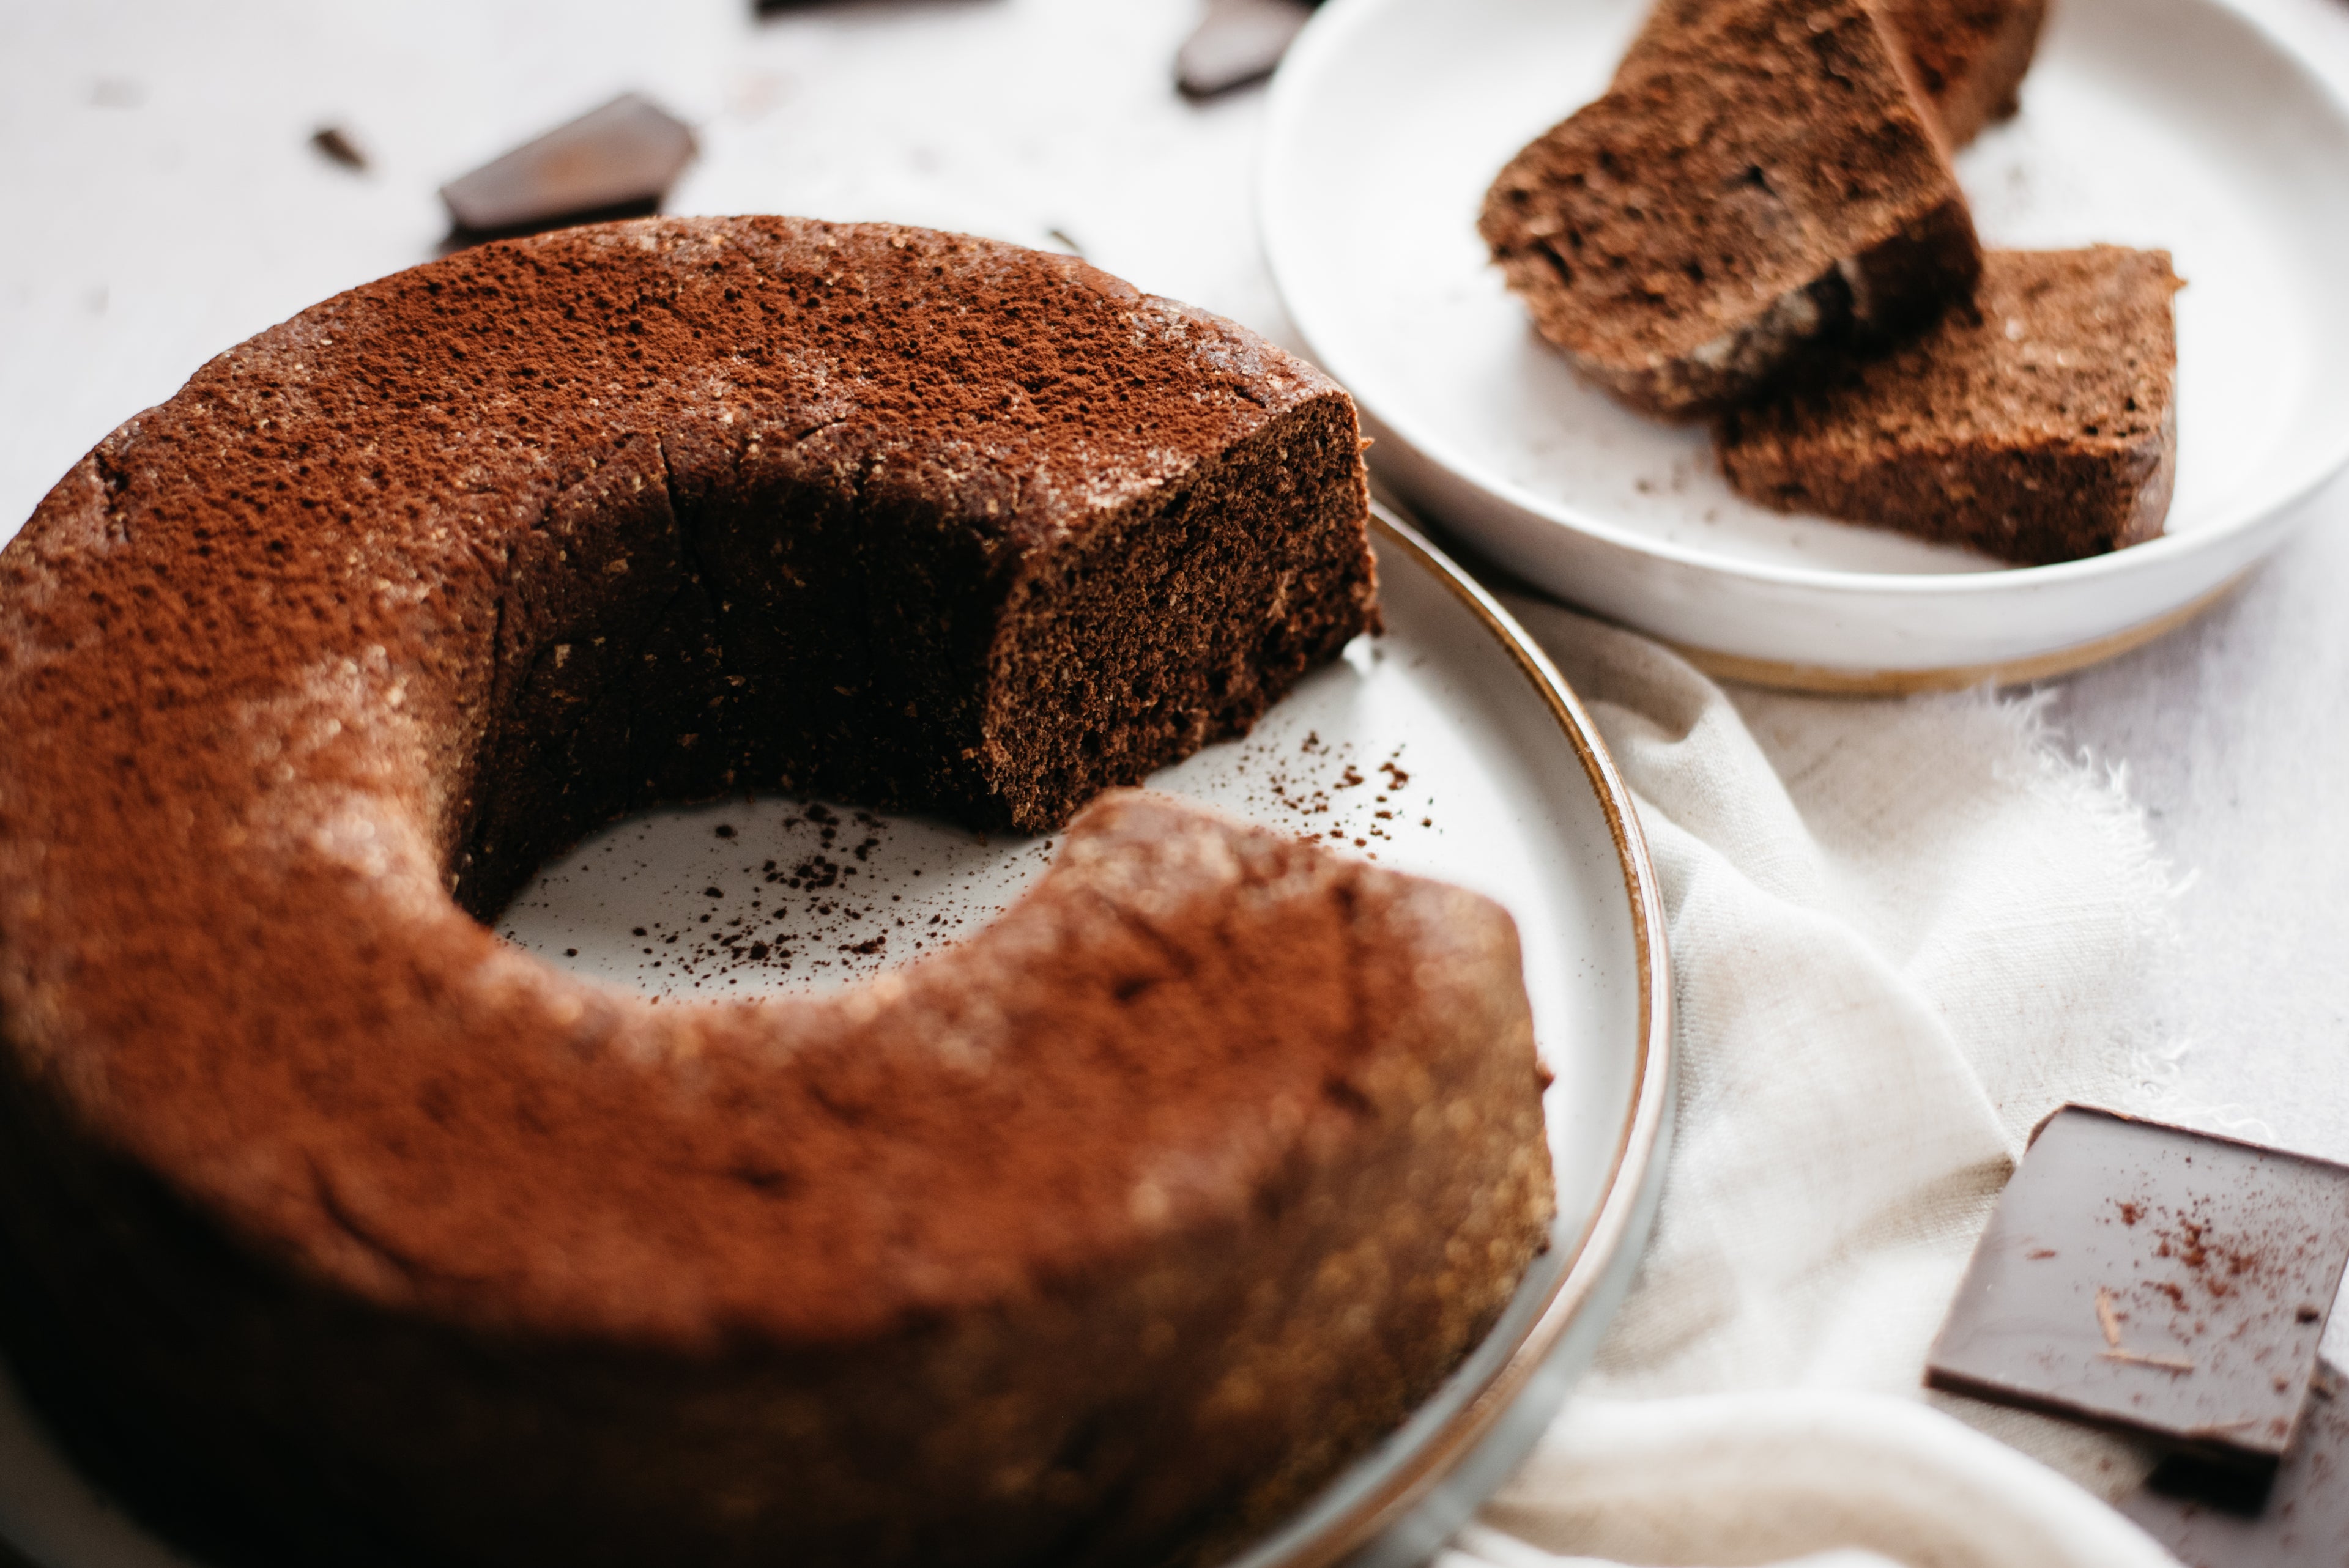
(2153, 1280)
(2300, 1520)
(1238, 42)
(335, 145)
(617, 162)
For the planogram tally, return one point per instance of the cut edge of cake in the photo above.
(2038, 424)
(1706, 223)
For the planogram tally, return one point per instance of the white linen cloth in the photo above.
(1902, 932)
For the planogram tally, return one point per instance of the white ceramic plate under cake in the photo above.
(1447, 747)
(2176, 124)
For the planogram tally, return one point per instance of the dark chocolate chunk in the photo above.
(335, 144)
(2300, 1520)
(616, 161)
(2154, 1279)
(765, 8)
(1238, 42)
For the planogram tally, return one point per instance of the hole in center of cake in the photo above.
(752, 897)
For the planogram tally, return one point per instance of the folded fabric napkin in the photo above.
(1902, 932)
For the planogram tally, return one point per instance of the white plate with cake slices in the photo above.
(2169, 124)
(1448, 747)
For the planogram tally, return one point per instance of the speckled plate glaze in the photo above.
(2177, 124)
(1448, 747)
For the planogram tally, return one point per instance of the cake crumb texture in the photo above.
(2039, 424)
(1750, 189)
(1966, 58)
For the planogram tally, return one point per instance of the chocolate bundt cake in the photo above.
(336, 1230)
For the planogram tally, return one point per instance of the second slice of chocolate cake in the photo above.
(1967, 56)
(2040, 424)
(1747, 188)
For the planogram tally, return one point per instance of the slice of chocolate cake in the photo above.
(1761, 183)
(1967, 56)
(2040, 424)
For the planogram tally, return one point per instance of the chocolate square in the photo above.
(2154, 1279)
(616, 161)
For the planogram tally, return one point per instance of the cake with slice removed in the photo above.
(2040, 424)
(1968, 57)
(336, 1231)
(1751, 188)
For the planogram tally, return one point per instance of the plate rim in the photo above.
(1321, 1535)
(1301, 71)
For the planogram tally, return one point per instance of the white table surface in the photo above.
(159, 202)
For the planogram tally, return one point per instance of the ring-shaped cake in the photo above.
(335, 1228)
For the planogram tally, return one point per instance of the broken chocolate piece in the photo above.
(335, 144)
(1238, 42)
(2302, 1520)
(616, 161)
(2155, 1279)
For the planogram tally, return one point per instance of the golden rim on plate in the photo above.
(1638, 1144)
